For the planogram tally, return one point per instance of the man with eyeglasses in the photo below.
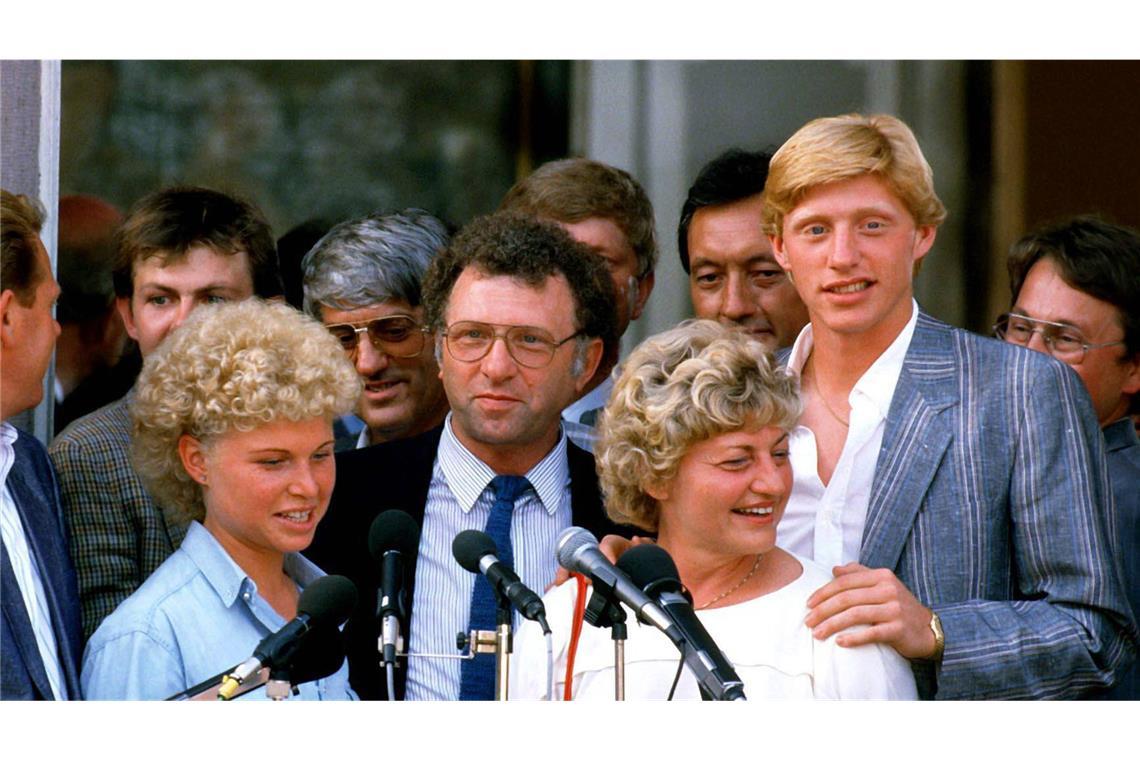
(520, 314)
(363, 281)
(1076, 295)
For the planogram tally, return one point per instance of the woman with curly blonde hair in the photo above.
(232, 434)
(694, 447)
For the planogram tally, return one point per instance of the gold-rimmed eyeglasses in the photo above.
(397, 336)
(1065, 342)
(531, 347)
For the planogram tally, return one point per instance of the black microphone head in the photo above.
(470, 546)
(571, 540)
(320, 653)
(651, 568)
(393, 529)
(328, 600)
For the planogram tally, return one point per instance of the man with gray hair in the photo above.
(364, 276)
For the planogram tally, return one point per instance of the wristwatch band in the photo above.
(939, 637)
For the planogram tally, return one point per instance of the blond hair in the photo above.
(843, 147)
(232, 366)
(676, 389)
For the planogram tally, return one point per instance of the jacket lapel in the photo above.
(916, 437)
(20, 624)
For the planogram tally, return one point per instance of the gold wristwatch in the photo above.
(939, 638)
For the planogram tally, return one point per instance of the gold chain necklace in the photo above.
(743, 580)
(823, 398)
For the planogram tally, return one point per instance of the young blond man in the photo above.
(956, 484)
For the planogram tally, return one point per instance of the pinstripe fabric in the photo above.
(991, 502)
(458, 500)
(25, 570)
(119, 536)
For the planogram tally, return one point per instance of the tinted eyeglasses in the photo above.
(529, 346)
(1064, 342)
(397, 336)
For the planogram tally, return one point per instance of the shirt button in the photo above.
(245, 596)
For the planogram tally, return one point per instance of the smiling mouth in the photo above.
(298, 516)
(755, 511)
(854, 287)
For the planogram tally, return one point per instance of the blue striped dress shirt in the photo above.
(458, 500)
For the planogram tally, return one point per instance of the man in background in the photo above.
(91, 368)
(605, 209)
(733, 276)
(363, 281)
(1076, 296)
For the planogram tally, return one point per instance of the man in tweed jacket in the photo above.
(956, 484)
(178, 248)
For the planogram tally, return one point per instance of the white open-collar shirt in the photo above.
(825, 523)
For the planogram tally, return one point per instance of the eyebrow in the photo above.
(1067, 323)
(761, 257)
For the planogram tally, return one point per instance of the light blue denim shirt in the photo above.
(198, 615)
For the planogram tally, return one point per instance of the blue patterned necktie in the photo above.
(478, 674)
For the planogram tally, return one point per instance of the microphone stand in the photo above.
(502, 648)
(279, 687)
(604, 611)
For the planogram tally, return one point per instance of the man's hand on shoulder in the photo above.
(878, 599)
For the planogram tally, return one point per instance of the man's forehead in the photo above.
(201, 266)
(474, 285)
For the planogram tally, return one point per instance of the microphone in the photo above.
(578, 552)
(319, 654)
(327, 601)
(394, 535)
(653, 569)
(475, 551)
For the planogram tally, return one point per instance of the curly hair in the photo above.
(513, 245)
(843, 147)
(676, 389)
(231, 366)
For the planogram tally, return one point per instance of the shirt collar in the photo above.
(8, 437)
(595, 399)
(468, 476)
(878, 383)
(224, 575)
(1120, 435)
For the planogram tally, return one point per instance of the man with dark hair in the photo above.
(733, 276)
(40, 636)
(363, 281)
(178, 248)
(1076, 296)
(521, 313)
(604, 208)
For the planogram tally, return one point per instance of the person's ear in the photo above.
(644, 288)
(193, 456)
(7, 318)
(123, 304)
(593, 358)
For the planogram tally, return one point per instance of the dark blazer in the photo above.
(397, 475)
(33, 487)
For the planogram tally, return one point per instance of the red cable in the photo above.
(575, 632)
